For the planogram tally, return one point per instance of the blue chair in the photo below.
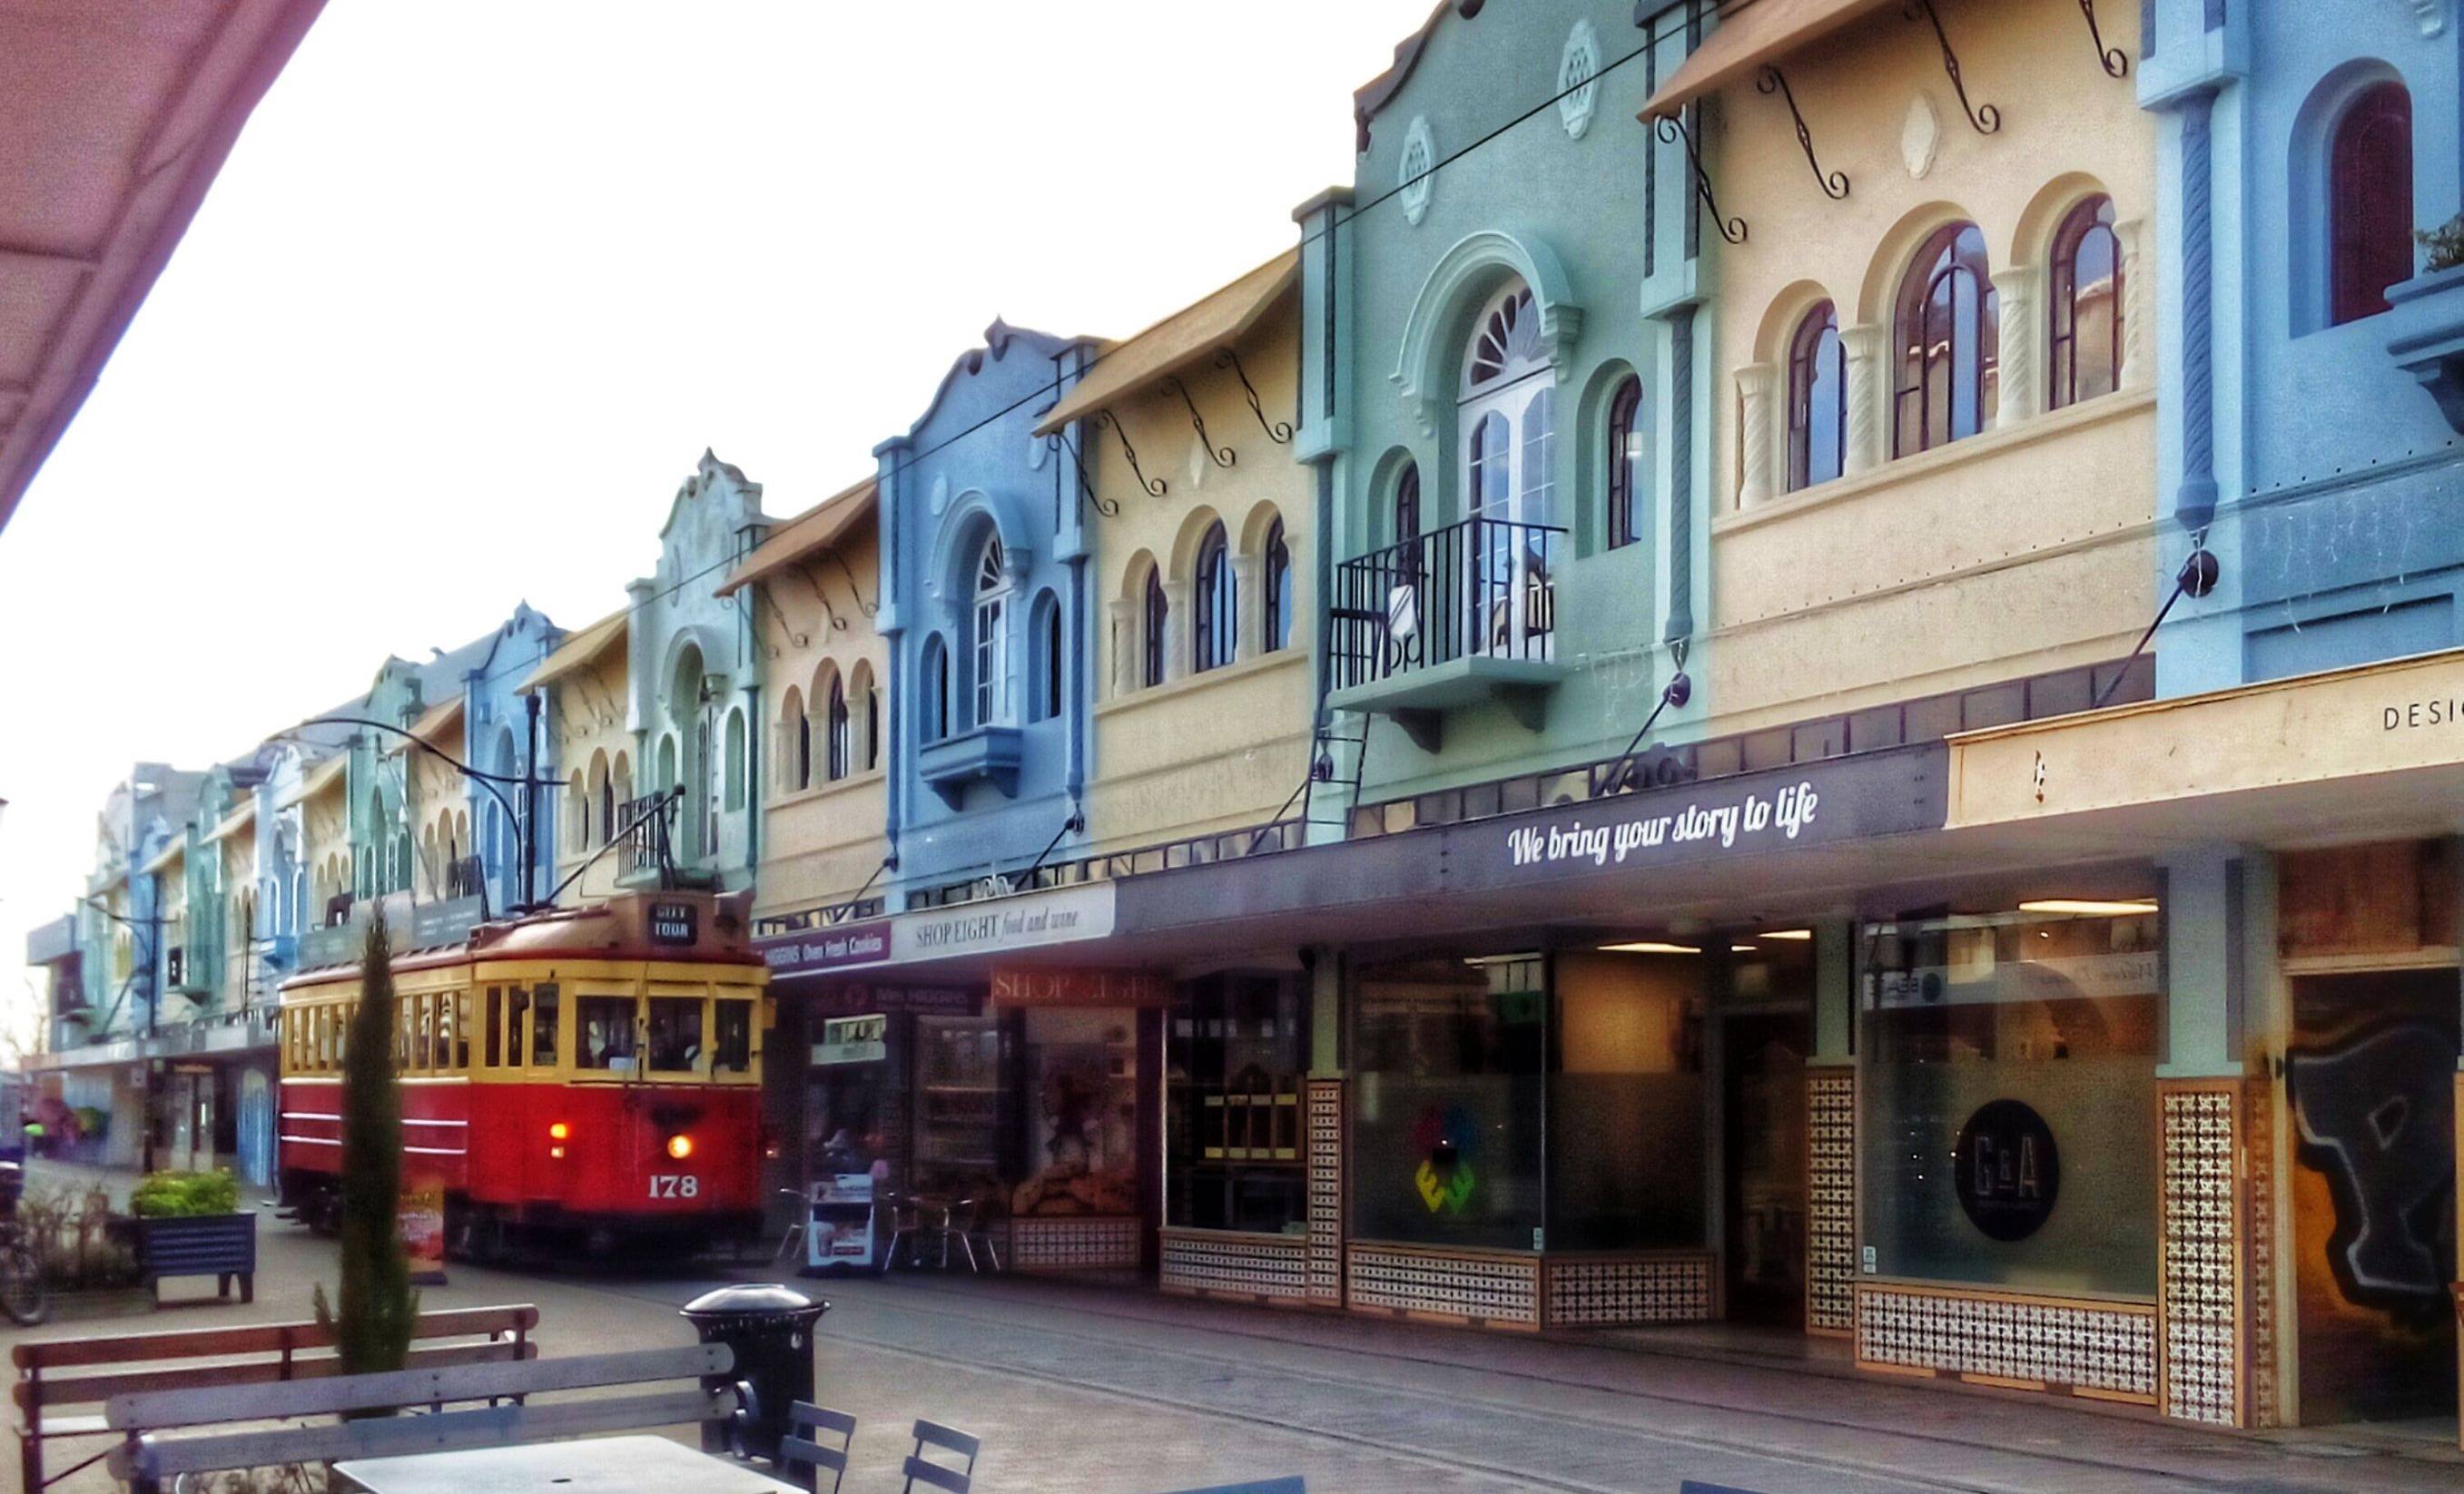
(801, 1456)
(940, 1476)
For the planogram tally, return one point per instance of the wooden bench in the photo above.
(166, 1433)
(250, 1355)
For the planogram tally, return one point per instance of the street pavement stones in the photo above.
(1114, 1390)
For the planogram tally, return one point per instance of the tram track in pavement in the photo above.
(1110, 1376)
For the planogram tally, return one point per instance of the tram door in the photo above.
(1762, 1070)
(2371, 1078)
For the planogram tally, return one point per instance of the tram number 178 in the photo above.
(675, 1185)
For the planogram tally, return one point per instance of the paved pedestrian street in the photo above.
(1083, 1388)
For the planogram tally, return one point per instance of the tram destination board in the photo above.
(674, 923)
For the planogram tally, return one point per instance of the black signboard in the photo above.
(2006, 1169)
(674, 923)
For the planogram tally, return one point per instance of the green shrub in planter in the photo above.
(175, 1194)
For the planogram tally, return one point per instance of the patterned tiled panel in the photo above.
(2101, 1349)
(1497, 1289)
(2200, 1287)
(1074, 1244)
(1626, 1291)
(1831, 1202)
(1325, 1122)
(1219, 1264)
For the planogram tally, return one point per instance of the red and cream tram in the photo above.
(580, 1075)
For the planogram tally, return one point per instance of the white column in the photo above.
(2138, 305)
(1177, 634)
(1863, 349)
(1125, 647)
(2019, 361)
(1250, 593)
(1758, 453)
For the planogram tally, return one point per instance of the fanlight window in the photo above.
(1508, 344)
(1508, 415)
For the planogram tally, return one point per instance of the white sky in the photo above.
(482, 279)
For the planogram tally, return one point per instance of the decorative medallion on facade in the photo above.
(1578, 80)
(2432, 14)
(1921, 136)
(1415, 176)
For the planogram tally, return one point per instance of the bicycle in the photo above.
(22, 1296)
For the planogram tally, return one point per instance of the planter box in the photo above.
(222, 1245)
(2426, 335)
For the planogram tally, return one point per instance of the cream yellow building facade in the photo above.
(584, 683)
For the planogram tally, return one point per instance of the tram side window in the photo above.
(546, 1003)
(732, 1044)
(422, 1011)
(676, 1033)
(606, 1033)
(458, 1028)
(517, 1022)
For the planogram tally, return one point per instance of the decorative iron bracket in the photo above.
(1224, 457)
(1984, 118)
(800, 640)
(1087, 490)
(1278, 431)
(1670, 127)
(869, 609)
(2114, 60)
(1154, 486)
(838, 624)
(1833, 183)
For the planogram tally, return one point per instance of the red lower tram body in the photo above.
(541, 1164)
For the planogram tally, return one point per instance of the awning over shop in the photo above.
(320, 778)
(236, 821)
(1182, 338)
(177, 851)
(580, 650)
(812, 532)
(1746, 38)
(435, 727)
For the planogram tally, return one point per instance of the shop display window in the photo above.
(1081, 1104)
(957, 1103)
(1236, 1051)
(1448, 1057)
(2007, 1096)
(1626, 1102)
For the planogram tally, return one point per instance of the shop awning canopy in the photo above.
(236, 821)
(177, 851)
(114, 120)
(817, 530)
(1746, 38)
(1193, 333)
(580, 650)
(320, 778)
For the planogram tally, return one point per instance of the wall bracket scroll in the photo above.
(1278, 431)
(1984, 118)
(1670, 127)
(1221, 457)
(2112, 59)
(1833, 183)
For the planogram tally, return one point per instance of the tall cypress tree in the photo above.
(372, 1330)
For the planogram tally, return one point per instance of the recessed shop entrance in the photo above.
(2370, 1075)
(1763, 1138)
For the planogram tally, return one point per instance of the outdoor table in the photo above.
(601, 1465)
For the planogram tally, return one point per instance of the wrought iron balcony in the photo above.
(1448, 619)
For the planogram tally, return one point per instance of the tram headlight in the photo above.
(560, 1132)
(680, 1145)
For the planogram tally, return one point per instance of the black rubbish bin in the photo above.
(770, 1327)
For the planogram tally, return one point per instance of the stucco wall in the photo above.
(587, 714)
(1226, 747)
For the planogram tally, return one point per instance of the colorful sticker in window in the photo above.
(1449, 1137)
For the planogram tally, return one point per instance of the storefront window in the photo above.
(1448, 1056)
(606, 1033)
(1626, 1102)
(676, 1033)
(1082, 1113)
(2008, 1097)
(1237, 1049)
(957, 1102)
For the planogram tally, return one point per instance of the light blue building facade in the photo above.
(985, 609)
(505, 733)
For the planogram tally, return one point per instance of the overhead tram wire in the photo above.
(1654, 36)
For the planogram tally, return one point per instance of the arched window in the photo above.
(868, 699)
(1509, 464)
(1157, 616)
(735, 748)
(1817, 399)
(1043, 628)
(1950, 339)
(1216, 603)
(795, 743)
(840, 747)
(1407, 504)
(991, 637)
(1625, 461)
(2369, 201)
(1277, 632)
(936, 689)
(2087, 306)
(577, 809)
(607, 799)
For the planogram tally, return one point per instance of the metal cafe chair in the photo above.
(941, 1440)
(801, 1455)
(963, 1224)
(795, 1235)
(906, 1214)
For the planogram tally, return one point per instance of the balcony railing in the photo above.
(647, 846)
(1482, 588)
